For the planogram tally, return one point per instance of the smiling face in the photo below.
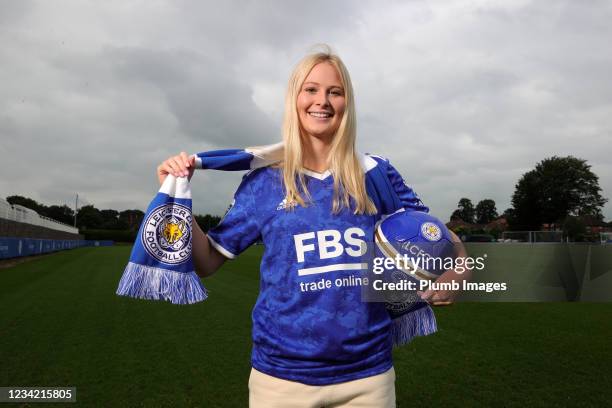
(321, 101)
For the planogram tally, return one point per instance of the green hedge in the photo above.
(113, 235)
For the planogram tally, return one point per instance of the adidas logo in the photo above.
(283, 204)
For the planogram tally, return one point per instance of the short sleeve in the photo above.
(238, 229)
(410, 200)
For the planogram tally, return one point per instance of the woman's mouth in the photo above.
(321, 115)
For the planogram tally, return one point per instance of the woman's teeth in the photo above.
(320, 114)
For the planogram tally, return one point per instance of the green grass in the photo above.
(62, 325)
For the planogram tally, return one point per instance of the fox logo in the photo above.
(166, 234)
(431, 231)
(173, 231)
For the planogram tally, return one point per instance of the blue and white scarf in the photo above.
(161, 267)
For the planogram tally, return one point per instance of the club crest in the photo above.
(431, 231)
(167, 233)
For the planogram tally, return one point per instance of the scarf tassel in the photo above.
(147, 282)
(420, 322)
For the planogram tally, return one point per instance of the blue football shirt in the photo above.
(309, 323)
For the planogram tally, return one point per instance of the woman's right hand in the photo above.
(180, 165)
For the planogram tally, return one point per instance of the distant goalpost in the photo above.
(532, 236)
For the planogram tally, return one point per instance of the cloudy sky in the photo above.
(462, 96)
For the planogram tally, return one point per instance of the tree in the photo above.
(131, 218)
(486, 211)
(23, 201)
(465, 211)
(110, 220)
(574, 228)
(509, 215)
(207, 221)
(557, 188)
(455, 216)
(59, 213)
(89, 217)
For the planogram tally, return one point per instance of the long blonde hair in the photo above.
(344, 164)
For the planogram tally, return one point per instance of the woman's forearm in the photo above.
(445, 297)
(206, 258)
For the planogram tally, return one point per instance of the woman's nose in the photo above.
(322, 99)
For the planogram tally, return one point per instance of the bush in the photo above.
(112, 235)
(480, 238)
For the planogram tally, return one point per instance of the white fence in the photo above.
(27, 216)
(532, 236)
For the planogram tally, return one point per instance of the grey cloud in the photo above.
(13, 11)
(462, 97)
(226, 25)
(209, 102)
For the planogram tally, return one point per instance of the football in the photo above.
(419, 244)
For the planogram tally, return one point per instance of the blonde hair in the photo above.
(344, 165)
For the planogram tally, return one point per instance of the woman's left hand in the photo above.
(442, 297)
(447, 297)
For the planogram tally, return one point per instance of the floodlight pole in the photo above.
(76, 205)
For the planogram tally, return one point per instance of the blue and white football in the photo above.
(421, 239)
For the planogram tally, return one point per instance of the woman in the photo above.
(315, 343)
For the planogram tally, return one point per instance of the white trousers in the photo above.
(377, 391)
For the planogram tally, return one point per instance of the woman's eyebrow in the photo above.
(316, 83)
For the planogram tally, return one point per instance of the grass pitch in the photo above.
(62, 325)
